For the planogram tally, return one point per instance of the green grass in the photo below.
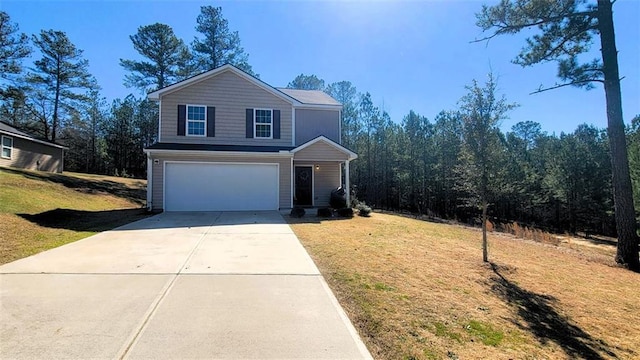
(40, 211)
(485, 332)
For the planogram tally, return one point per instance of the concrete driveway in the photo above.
(232, 285)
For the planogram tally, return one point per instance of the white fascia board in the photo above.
(156, 95)
(319, 107)
(351, 154)
(10, 134)
(285, 154)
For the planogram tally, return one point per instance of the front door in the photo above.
(303, 186)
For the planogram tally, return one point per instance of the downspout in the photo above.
(346, 182)
(292, 183)
(149, 182)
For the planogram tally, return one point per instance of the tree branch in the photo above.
(573, 83)
(505, 27)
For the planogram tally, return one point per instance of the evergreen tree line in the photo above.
(451, 166)
(57, 99)
(427, 166)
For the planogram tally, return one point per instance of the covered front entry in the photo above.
(202, 186)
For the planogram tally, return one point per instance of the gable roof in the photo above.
(155, 95)
(10, 130)
(322, 138)
(311, 97)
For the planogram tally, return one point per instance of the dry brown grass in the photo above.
(419, 290)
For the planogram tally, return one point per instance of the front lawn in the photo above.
(40, 211)
(419, 290)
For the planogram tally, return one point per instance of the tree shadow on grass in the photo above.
(87, 186)
(540, 318)
(80, 220)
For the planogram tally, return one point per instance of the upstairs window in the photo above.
(263, 123)
(7, 147)
(196, 120)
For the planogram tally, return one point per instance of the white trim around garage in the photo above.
(167, 162)
(282, 153)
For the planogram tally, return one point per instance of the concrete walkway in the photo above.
(230, 285)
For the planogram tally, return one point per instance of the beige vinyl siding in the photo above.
(231, 95)
(312, 123)
(31, 155)
(325, 179)
(158, 173)
(320, 151)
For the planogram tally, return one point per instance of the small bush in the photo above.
(325, 212)
(364, 210)
(346, 212)
(297, 212)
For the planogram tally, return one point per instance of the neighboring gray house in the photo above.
(228, 141)
(21, 150)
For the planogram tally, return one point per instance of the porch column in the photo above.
(346, 182)
(149, 182)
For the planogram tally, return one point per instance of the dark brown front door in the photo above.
(303, 186)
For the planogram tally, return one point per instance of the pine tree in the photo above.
(165, 57)
(306, 82)
(13, 47)
(62, 74)
(219, 45)
(567, 28)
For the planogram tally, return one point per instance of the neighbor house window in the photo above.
(7, 147)
(263, 123)
(196, 120)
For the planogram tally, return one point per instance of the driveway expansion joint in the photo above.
(156, 303)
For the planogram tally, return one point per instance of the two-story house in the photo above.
(228, 141)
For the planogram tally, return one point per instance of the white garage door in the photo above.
(220, 187)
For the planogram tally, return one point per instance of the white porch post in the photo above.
(346, 182)
(149, 182)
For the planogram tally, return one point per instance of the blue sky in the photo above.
(410, 55)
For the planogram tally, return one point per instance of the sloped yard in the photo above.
(40, 211)
(419, 290)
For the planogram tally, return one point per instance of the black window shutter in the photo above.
(211, 121)
(276, 124)
(182, 119)
(249, 114)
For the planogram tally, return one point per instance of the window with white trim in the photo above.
(7, 147)
(263, 123)
(196, 120)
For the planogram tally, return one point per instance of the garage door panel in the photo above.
(220, 187)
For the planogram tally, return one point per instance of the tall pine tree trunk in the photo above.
(627, 252)
(56, 106)
(485, 247)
